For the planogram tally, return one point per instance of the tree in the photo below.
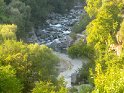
(93, 7)
(39, 10)
(3, 16)
(108, 74)
(20, 15)
(101, 31)
(32, 62)
(48, 87)
(109, 81)
(120, 34)
(8, 81)
(80, 49)
(8, 32)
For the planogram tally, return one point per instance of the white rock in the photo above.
(66, 32)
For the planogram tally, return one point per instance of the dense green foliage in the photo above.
(21, 65)
(28, 60)
(7, 32)
(40, 13)
(85, 88)
(8, 81)
(93, 7)
(105, 34)
(80, 49)
(104, 37)
(20, 15)
(26, 68)
(48, 87)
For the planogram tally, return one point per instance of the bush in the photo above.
(73, 90)
(84, 71)
(111, 80)
(60, 6)
(8, 81)
(79, 49)
(85, 88)
(31, 62)
(8, 32)
(48, 87)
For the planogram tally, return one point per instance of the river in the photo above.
(56, 34)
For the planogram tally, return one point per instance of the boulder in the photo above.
(74, 78)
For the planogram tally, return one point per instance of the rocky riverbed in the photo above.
(55, 32)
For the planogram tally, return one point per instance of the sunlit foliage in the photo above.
(104, 31)
(8, 32)
(48, 87)
(31, 62)
(8, 81)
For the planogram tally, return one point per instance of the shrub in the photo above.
(8, 81)
(48, 87)
(85, 88)
(79, 49)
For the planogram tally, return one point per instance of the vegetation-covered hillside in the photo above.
(31, 68)
(22, 65)
(104, 45)
(28, 68)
